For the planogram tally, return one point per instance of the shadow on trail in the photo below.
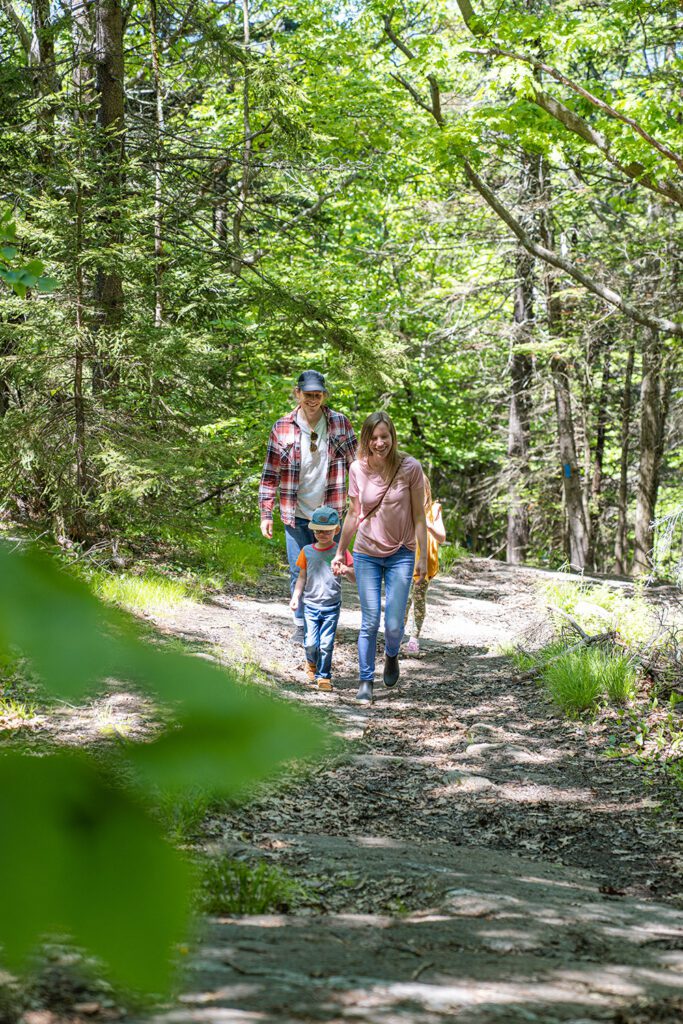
(510, 941)
(474, 856)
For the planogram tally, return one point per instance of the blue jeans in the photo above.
(397, 572)
(296, 538)
(320, 628)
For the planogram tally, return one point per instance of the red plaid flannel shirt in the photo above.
(283, 460)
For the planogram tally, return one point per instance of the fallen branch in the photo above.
(585, 641)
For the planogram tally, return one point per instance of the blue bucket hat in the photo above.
(325, 518)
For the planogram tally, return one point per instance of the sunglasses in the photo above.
(314, 441)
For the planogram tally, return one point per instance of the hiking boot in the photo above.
(364, 694)
(324, 684)
(310, 673)
(391, 670)
(297, 635)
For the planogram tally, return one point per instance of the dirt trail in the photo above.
(471, 855)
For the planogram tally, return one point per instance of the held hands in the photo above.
(337, 565)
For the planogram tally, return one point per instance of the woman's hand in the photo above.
(421, 568)
(337, 565)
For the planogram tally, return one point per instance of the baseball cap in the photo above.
(325, 518)
(311, 380)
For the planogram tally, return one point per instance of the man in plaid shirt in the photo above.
(309, 452)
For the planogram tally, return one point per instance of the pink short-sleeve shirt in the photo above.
(391, 526)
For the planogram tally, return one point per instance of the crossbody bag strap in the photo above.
(384, 493)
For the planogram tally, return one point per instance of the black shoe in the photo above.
(365, 692)
(391, 670)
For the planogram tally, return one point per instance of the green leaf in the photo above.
(29, 280)
(8, 252)
(79, 856)
(34, 268)
(230, 735)
(47, 284)
(71, 639)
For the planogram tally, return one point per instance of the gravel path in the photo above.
(471, 855)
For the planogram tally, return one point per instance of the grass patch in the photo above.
(578, 680)
(450, 553)
(571, 684)
(17, 710)
(182, 814)
(526, 661)
(233, 887)
(148, 592)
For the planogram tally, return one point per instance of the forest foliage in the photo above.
(467, 215)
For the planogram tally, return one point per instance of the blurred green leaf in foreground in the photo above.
(85, 857)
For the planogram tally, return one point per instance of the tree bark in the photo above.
(245, 181)
(108, 290)
(521, 365)
(578, 529)
(158, 179)
(650, 452)
(621, 539)
(42, 61)
(596, 497)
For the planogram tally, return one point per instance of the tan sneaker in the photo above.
(310, 673)
(325, 684)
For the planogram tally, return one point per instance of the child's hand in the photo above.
(294, 603)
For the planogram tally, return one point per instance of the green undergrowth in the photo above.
(582, 679)
(601, 608)
(183, 563)
(230, 886)
(147, 592)
(579, 680)
(630, 684)
(17, 698)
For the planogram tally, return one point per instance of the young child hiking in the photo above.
(436, 535)
(322, 595)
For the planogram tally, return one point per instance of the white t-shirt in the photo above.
(313, 469)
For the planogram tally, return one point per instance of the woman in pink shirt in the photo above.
(386, 492)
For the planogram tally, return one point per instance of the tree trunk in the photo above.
(596, 505)
(158, 181)
(108, 291)
(42, 61)
(651, 424)
(521, 366)
(569, 463)
(621, 539)
(578, 531)
(245, 181)
(519, 413)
